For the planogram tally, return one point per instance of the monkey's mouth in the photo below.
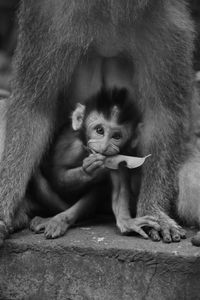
(90, 150)
(111, 151)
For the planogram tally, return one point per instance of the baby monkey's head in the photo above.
(106, 121)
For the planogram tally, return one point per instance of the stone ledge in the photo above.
(95, 262)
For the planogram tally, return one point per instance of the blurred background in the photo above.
(8, 36)
(8, 39)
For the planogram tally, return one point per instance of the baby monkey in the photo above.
(75, 180)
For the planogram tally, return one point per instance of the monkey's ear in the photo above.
(77, 116)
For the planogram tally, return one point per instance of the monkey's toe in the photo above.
(154, 235)
(171, 232)
(166, 235)
(55, 228)
(34, 222)
(38, 224)
(177, 234)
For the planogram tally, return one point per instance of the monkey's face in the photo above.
(106, 136)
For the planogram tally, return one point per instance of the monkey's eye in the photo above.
(117, 135)
(99, 129)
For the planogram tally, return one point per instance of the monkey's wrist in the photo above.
(83, 170)
(85, 175)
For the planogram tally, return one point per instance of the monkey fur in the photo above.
(71, 48)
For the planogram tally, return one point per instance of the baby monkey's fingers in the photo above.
(93, 167)
(88, 161)
(147, 221)
(93, 162)
(95, 157)
(139, 230)
(136, 224)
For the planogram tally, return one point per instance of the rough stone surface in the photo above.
(95, 262)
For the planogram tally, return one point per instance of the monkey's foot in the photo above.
(169, 231)
(52, 227)
(37, 224)
(136, 224)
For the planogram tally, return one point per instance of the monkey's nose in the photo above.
(103, 148)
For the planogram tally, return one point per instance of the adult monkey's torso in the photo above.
(95, 71)
(110, 31)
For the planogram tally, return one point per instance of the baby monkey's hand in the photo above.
(93, 165)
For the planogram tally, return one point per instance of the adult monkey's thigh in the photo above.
(32, 106)
(167, 94)
(159, 187)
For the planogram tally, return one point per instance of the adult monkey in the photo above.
(70, 47)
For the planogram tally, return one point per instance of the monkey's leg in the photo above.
(27, 135)
(59, 224)
(21, 218)
(44, 62)
(40, 188)
(159, 185)
(166, 87)
(188, 204)
(121, 209)
(30, 118)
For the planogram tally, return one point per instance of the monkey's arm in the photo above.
(87, 170)
(72, 168)
(71, 179)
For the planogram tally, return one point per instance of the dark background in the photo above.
(195, 11)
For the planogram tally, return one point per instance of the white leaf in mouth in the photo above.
(131, 162)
